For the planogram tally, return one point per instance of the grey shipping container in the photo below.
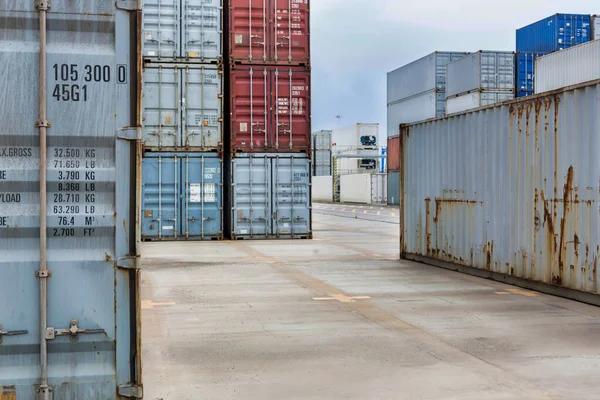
(572, 66)
(423, 106)
(322, 140)
(182, 196)
(69, 286)
(423, 75)
(393, 190)
(182, 107)
(476, 99)
(520, 202)
(321, 162)
(595, 27)
(183, 29)
(271, 196)
(484, 70)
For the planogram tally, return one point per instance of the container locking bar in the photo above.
(11, 333)
(73, 331)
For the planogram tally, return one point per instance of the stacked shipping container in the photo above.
(182, 120)
(555, 33)
(321, 154)
(269, 130)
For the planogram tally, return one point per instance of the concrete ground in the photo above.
(380, 213)
(340, 317)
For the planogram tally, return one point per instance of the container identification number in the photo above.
(72, 73)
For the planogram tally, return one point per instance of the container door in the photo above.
(161, 29)
(203, 108)
(160, 197)
(291, 196)
(291, 32)
(202, 199)
(251, 193)
(291, 128)
(202, 30)
(81, 303)
(161, 107)
(249, 30)
(249, 108)
(379, 188)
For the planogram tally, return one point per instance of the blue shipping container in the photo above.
(557, 32)
(525, 73)
(182, 196)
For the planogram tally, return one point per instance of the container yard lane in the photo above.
(340, 317)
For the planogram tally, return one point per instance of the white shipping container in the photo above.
(595, 27)
(322, 188)
(474, 100)
(510, 193)
(363, 188)
(568, 67)
(484, 70)
(349, 139)
(417, 108)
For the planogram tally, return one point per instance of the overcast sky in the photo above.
(356, 42)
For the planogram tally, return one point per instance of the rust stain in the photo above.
(489, 251)
(427, 225)
(168, 119)
(562, 251)
(8, 392)
(125, 225)
(107, 257)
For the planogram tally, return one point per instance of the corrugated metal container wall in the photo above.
(393, 153)
(423, 75)
(182, 196)
(271, 196)
(322, 162)
(522, 197)
(182, 107)
(322, 140)
(393, 188)
(557, 32)
(269, 32)
(525, 75)
(569, 67)
(474, 100)
(183, 29)
(89, 281)
(378, 188)
(484, 70)
(596, 27)
(270, 109)
(424, 106)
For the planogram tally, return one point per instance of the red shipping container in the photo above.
(269, 32)
(270, 109)
(393, 154)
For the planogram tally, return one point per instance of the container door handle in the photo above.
(11, 333)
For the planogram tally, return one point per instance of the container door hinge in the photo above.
(129, 5)
(129, 133)
(43, 273)
(73, 331)
(131, 391)
(10, 333)
(128, 262)
(45, 392)
(43, 123)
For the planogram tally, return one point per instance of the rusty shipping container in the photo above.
(269, 32)
(509, 192)
(393, 154)
(270, 109)
(69, 265)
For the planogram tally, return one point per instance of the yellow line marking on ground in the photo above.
(393, 214)
(501, 293)
(146, 304)
(341, 298)
(378, 213)
(524, 292)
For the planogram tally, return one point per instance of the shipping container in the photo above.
(595, 27)
(271, 196)
(525, 73)
(182, 196)
(423, 75)
(321, 162)
(69, 286)
(361, 138)
(509, 191)
(569, 67)
(322, 140)
(269, 32)
(270, 109)
(557, 32)
(474, 100)
(393, 188)
(322, 188)
(423, 106)
(176, 30)
(393, 154)
(182, 107)
(363, 188)
(483, 70)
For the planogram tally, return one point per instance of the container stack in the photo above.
(555, 33)
(480, 79)
(182, 106)
(321, 153)
(269, 128)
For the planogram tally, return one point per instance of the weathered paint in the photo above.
(91, 247)
(511, 189)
